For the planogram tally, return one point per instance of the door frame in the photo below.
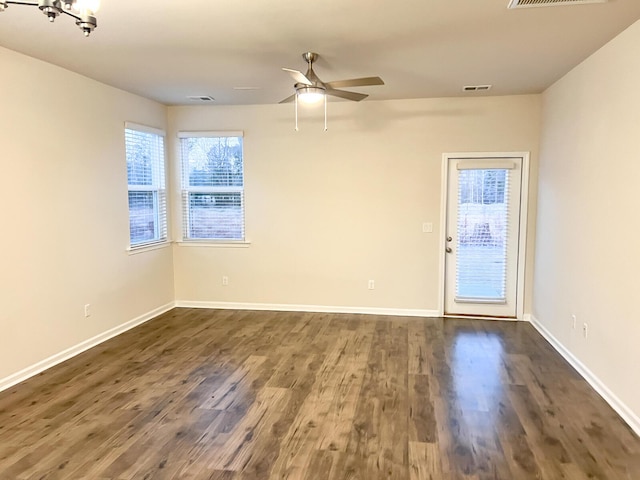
(522, 240)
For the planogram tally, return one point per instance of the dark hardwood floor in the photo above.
(236, 395)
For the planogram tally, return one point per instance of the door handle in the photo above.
(448, 249)
(449, 239)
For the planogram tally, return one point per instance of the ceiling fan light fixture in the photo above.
(310, 95)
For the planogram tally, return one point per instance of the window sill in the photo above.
(208, 243)
(147, 248)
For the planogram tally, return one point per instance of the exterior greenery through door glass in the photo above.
(212, 186)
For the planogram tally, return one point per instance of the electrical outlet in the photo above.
(87, 310)
(585, 330)
(225, 280)
(371, 285)
(574, 321)
(427, 227)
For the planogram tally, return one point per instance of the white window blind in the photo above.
(483, 220)
(146, 180)
(212, 185)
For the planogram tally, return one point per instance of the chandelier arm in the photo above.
(67, 12)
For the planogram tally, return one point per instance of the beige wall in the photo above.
(327, 211)
(587, 259)
(64, 212)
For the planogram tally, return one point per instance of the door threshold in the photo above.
(479, 317)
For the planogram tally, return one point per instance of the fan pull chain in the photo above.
(296, 103)
(325, 113)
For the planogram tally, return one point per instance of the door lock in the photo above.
(448, 249)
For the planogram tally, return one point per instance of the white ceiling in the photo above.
(167, 50)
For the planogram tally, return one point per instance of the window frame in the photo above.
(158, 189)
(186, 189)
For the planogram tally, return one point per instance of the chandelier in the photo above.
(83, 11)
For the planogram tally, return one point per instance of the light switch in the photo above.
(427, 227)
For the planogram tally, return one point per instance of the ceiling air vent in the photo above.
(549, 3)
(476, 88)
(201, 98)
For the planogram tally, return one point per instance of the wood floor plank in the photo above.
(196, 462)
(328, 409)
(515, 444)
(452, 436)
(202, 394)
(379, 436)
(424, 461)
(422, 417)
(250, 438)
(418, 349)
(293, 368)
(336, 428)
(544, 437)
(233, 386)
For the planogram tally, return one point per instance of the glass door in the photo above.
(482, 236)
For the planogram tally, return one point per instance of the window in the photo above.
(146, 179)
(212, 185)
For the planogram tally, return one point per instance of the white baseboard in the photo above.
(43, 365)
(618, 405)
(398, 312)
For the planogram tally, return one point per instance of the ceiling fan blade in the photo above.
(356, 97)
(298, 76)
(288, 99)
(355, 82)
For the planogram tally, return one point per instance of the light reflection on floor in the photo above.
(476, 378)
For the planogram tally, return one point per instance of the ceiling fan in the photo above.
(309, 88)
